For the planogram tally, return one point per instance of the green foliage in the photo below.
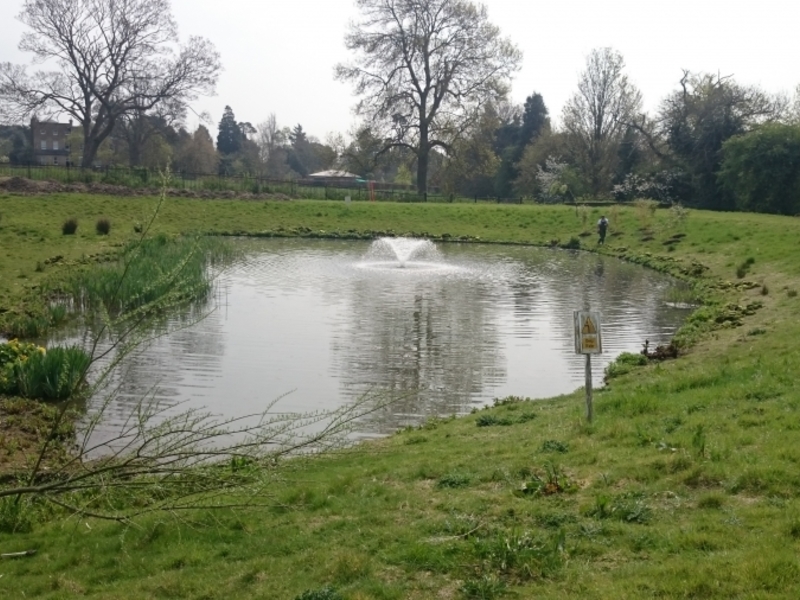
(492, 420)
(13, 354)
(761, 169)
(520, 555)
(504, 420)
(554, 446)
(629, 508)
(487, 587)
(53, 375)
(454, 479)
(15, 515)
(230, 136)
(624, 363)
(698, 119)
(325, 593)
(553, 481)
(158, 269)
(69, 227)
(32, 372)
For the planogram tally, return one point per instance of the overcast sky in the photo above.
(279, 55)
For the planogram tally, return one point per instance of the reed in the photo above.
(158, 269)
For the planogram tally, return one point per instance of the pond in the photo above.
(444, 328)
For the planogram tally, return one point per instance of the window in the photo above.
(55, 132)
(55, 160)
(55, 144)
(44, 145)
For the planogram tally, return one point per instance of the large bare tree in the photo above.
(104, 59)
(597, 116)
(424, 69)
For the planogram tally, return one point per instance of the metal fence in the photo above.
(295, 188)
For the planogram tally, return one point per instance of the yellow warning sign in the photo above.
(588, 339)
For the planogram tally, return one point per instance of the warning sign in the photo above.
(588, 338)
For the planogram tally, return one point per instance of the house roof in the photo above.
(334, 174)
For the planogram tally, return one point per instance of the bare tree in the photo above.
(598, 115)
(138, 127)
(270, 137)
(424, 70)
(110, 58)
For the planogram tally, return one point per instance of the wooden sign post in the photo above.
(588, 341)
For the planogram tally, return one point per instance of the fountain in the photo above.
(403, 252)
(441, 328)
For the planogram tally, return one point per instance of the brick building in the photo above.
(50, 142)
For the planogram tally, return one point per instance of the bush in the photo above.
(69, 227)
(624, 363)
(103, 226)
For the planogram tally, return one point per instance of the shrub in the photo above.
(69, 227)
(624, 363)
(103, 226)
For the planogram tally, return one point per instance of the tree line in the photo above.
(433, 80)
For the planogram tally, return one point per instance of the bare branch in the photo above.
(112, 58)
(423, 69)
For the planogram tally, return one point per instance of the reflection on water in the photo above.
(322, 321)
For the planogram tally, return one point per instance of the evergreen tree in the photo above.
(534, 120)
(230, 136)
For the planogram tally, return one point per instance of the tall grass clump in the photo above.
(155, 269)
(30, 371)
(56, 374)
(103, 226)
(69, 227)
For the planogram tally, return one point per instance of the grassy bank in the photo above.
(686, 485)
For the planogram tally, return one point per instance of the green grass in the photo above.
(686, 485)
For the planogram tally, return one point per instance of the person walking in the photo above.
(602, 228)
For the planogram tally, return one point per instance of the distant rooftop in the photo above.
(334, 174)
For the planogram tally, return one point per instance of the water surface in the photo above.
(459, 325)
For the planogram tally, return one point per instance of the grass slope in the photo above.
(687, 485)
